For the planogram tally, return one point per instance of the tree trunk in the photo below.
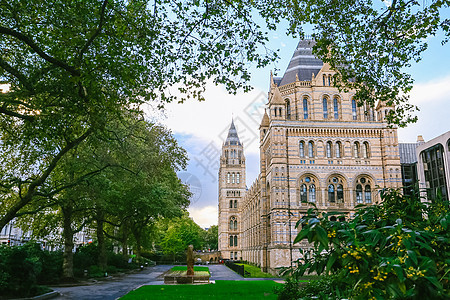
(67, 211)
(124, 241)
(102, 258)
(137, 236)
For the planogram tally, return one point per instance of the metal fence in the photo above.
(238, 269)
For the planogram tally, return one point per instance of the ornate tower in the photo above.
(231, 191)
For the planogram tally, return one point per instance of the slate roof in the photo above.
(407, 153)
(232, 138)
(303, 63)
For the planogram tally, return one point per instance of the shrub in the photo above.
(117, 260)
(19, 269)
(289, 290)
(397, 249)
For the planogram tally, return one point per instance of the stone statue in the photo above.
(190, 260)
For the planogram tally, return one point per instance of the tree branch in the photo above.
(16, 73)
(39, 51)
(97, 32)
(31, 191)
(17, 115)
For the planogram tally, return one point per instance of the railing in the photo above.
(238, 269)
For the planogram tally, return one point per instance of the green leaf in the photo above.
(322, 236)
(399, 272)
(412, 255)
(331, 260)
(301, 235)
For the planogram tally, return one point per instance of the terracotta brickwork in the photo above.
(316, 145)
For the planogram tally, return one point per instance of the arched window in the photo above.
(288, 109)
(338, 149)
(324, 80)
(359, 197)
(331, 197)
(231, 203)
(329, 80)
(336, 108)
(235, 241)
(301, 149)
(279, 112)
(235, 203)
(325, 108)
(310, 149)
(355, 116)
(233, 180)
(237, 177)
(367, 194)
(231, 241)
(228, 177)
(329, 149)
(312, 193)
(356, 149)
(366, 153)
(303, 193)
(305, 108)
(275, 109)
(340, 193)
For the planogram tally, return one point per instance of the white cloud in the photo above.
(432, 100)
(204, 216)
(435, 90)
(210, 120)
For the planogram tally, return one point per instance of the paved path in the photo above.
(117, 287)
(222, 272)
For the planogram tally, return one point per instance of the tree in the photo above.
(126, 176)
(212, 237)
(74, 65)
(370, 44)
(398, 249)
(180, 233)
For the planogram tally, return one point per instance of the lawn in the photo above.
(181, 270)
(196, 269)
(256, 272)
(222, 289)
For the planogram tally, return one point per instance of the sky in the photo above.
(201, 127)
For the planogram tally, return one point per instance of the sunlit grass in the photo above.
(226, 290)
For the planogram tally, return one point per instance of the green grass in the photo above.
(222, 289)
(256, 272)
(196, 269)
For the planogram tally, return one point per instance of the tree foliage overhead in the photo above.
(372, 44)
(74, 65)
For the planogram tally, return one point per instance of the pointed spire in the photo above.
(276, 96)
(296, 77)
(232, 138)
(265, 120)
(272, 83)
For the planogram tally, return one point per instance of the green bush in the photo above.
(289, 290)
(51, 262)
(397, 249)
(19, 268)
(117, 260)
(85, 257)
(95, 271)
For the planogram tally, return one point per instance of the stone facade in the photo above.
(316, 145)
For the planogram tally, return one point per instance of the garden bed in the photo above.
(179, 275)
